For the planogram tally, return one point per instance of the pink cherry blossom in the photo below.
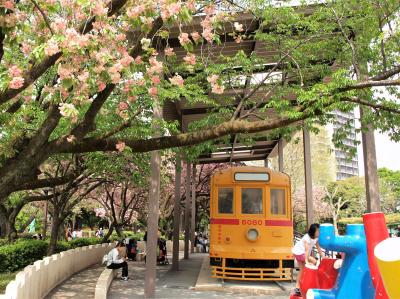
(98, 69)
(208, 35)
(153, 91)
(16, 82)
(68, 110)
(126, 61)
(238, 26)
(121, 37)
(99, 9)
(140, 82)
(238, 39)
(115, 77)
(101, 86)
(138, 60)
(120, 146)
(25, 48)
(169, 51)
(155, 80)
(210, 9)
(174, 8)
(135, 11)
(212, 79)
(51, 48)
(191, 5)
(122, 106)
(15, 71)
(177, 80)
(132, 98)
(64, 72)
(196, 36)
(60, 25)
(184, 38)
(218, 89)
(190, 58)
(9, 5)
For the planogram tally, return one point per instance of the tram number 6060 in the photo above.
(252, 222)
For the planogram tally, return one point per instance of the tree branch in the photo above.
(45, 18)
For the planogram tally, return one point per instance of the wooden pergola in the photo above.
(231, 151)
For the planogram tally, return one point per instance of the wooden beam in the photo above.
(308, 177)
(187, 212)
(280, 155)
(193, 213)
(177, 214)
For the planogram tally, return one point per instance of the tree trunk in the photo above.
(3, 224)
(55, 226)
(107, 236)
(11, 231)
(335, 219)
(119, 230)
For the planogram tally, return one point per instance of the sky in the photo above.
(387, 153)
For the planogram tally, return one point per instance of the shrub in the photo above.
(24, 252)
(84, 242)
(17, 256)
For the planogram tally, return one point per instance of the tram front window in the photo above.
(252, 202)
(225, 201)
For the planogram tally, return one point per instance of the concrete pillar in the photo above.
(187, 212)
(308, 177)
(152, 218)
(177, 214)
(280, 155)
(370, 169)
(193, 213)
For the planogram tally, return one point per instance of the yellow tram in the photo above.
(251, 227)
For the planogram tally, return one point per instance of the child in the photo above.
(302, 251)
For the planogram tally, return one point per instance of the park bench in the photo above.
(103, 283)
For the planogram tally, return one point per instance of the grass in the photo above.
(5, 278)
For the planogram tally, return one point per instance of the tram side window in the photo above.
(252, 202)
(225, 200)
(278, 202)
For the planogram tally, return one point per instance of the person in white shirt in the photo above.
(116, 259)
(302, 251)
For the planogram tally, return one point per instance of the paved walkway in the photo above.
(171, 284)
(80, 285)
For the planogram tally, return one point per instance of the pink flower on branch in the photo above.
(177, 80)
(15, 71)
(51, 48)
(16, 82)
(153, 91)
(155, 80)
(122, 106)
(184, 38)
(99, 9)
(120, 146)
(196, 36)
(190, 58)
(169, 51)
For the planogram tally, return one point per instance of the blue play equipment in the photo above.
(354, 279)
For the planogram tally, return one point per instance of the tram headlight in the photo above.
(252, 234)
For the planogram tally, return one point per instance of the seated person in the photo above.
(116, 259)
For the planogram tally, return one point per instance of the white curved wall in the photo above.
(37, 280)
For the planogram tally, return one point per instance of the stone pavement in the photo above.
(169, 284)
(80, 285)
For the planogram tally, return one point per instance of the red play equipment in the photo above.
(322, 277)
(327, 274)
(309, 279)
(375, 232)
